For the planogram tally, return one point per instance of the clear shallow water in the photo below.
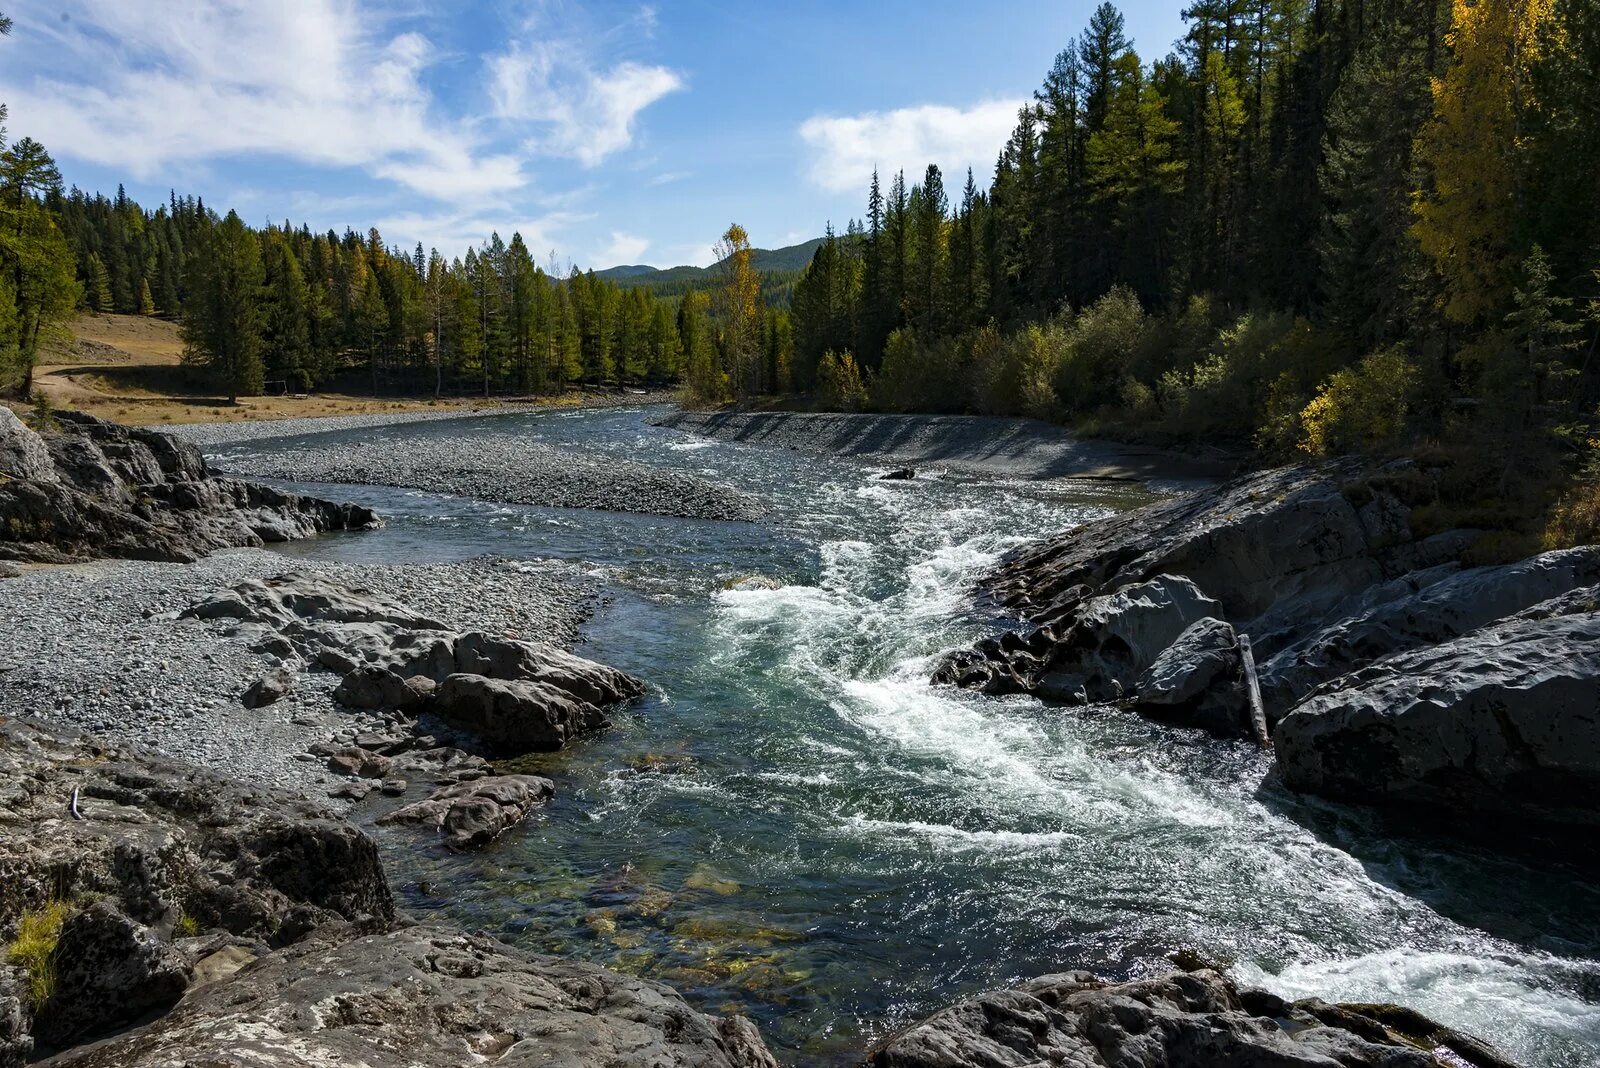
(796, 826)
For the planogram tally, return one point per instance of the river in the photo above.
(795, 825)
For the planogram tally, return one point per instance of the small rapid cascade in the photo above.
(798, 826)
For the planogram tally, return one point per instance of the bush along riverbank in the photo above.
(1390, 670)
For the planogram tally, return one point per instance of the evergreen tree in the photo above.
(222, 326)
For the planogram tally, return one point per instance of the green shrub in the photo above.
(839, 384)
(1360, 408)
(1098, 349)
(34, 949)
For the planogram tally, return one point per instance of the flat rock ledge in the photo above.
(87, 489)
(1190, 1019)
(429, 997)
(1386, 670)
(201, 923)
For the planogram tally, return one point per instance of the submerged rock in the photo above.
(429, 996)
(1188, 1019)
(471, 814)
(90, 489)
(1503, 720)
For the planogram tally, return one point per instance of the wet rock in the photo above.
(1094, 655)
(90, 488)
(429, 996)
(515, 716)
(361, 763)
(899, 474)
(1501, 721)
(1195, 681)
(269, 688)
(1193, 1019)
(110, 971)
(471, 814)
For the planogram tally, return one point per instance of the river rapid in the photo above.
(796, 826)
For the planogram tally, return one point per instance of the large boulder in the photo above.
(428, 996)
(515, 715)
(111, 971)
(1097, 652)
(1504, 720)
(1183, 1020)
(90, 488)
(23, 453)
(1441, 608)
(1196, 681)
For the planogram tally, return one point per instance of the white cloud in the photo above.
(316, 81)
(582, 113)
(156, 89)
(624, 249)
(845, 148)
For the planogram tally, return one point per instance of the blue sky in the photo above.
(606, 132)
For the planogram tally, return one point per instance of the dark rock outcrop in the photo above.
(90, 489)
(1502, 720)
(136, 846)
(427, 996)
(1096, 657)
(1188, 1019)
(1446, 607)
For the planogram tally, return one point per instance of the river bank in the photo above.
(983, 445)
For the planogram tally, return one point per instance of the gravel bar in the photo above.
(506, 468)
(99, 647)
(206, 435)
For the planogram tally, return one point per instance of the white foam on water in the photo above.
(1511, 1000)
(690, 446)
(946, 838)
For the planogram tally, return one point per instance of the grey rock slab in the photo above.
(425, 997)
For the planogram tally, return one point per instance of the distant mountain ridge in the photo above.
(790, 259)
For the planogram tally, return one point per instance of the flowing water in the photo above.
(795, 825)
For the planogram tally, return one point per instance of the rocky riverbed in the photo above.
(104, 647)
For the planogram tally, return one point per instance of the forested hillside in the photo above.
(777, 268)
(1314, 226)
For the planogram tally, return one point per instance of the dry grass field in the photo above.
(128, 368)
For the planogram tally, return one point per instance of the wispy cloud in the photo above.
(583, 113)
(161, 91)
(845, 148)
(624, 249)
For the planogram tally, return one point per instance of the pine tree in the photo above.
(222, 324)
